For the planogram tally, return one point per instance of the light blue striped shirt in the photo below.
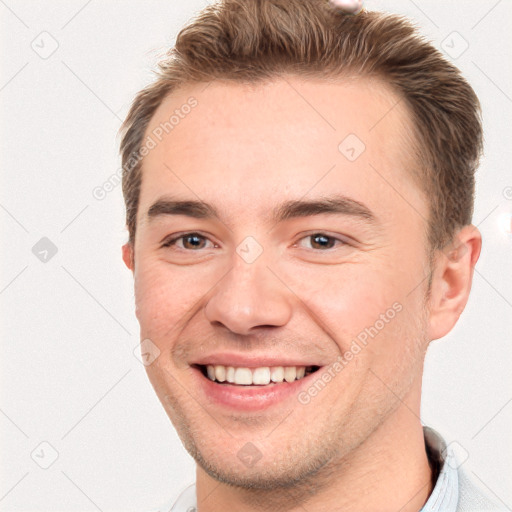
(445, 495)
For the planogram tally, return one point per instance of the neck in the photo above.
(389, 471)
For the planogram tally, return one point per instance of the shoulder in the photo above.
(185, 502)
(455, 490)
(474, 498)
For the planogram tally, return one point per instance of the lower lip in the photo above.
(250, 398)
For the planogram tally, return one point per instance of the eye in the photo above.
(189, 241)
(322, 241)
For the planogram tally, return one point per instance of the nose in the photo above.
(249, 296)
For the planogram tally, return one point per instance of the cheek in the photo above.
(367, 304)
(158, 306)
(168, 296)
(349, 298)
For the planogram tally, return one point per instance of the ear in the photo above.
(128, 255)
(451, 280)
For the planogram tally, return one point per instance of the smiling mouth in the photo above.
(263, 376)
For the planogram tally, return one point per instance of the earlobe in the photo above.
(451, 280)
(128, 255)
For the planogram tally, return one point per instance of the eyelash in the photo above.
(172, 241)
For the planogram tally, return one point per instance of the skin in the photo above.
(358, 445)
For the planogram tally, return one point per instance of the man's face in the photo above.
(300, 290)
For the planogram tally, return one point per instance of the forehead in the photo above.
(285, 137)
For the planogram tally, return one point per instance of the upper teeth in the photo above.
(248, 376)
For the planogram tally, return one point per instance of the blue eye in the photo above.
(195, 241)
(190, 241)
(322, 241)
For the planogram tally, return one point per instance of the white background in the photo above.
(69, 376)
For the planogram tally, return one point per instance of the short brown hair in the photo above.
(255, 40)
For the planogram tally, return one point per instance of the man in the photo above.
(299, 188)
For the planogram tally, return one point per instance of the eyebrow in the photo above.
(333, 205)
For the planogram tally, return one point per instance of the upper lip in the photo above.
(239, 360)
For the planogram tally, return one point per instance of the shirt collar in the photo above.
(445, 495)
